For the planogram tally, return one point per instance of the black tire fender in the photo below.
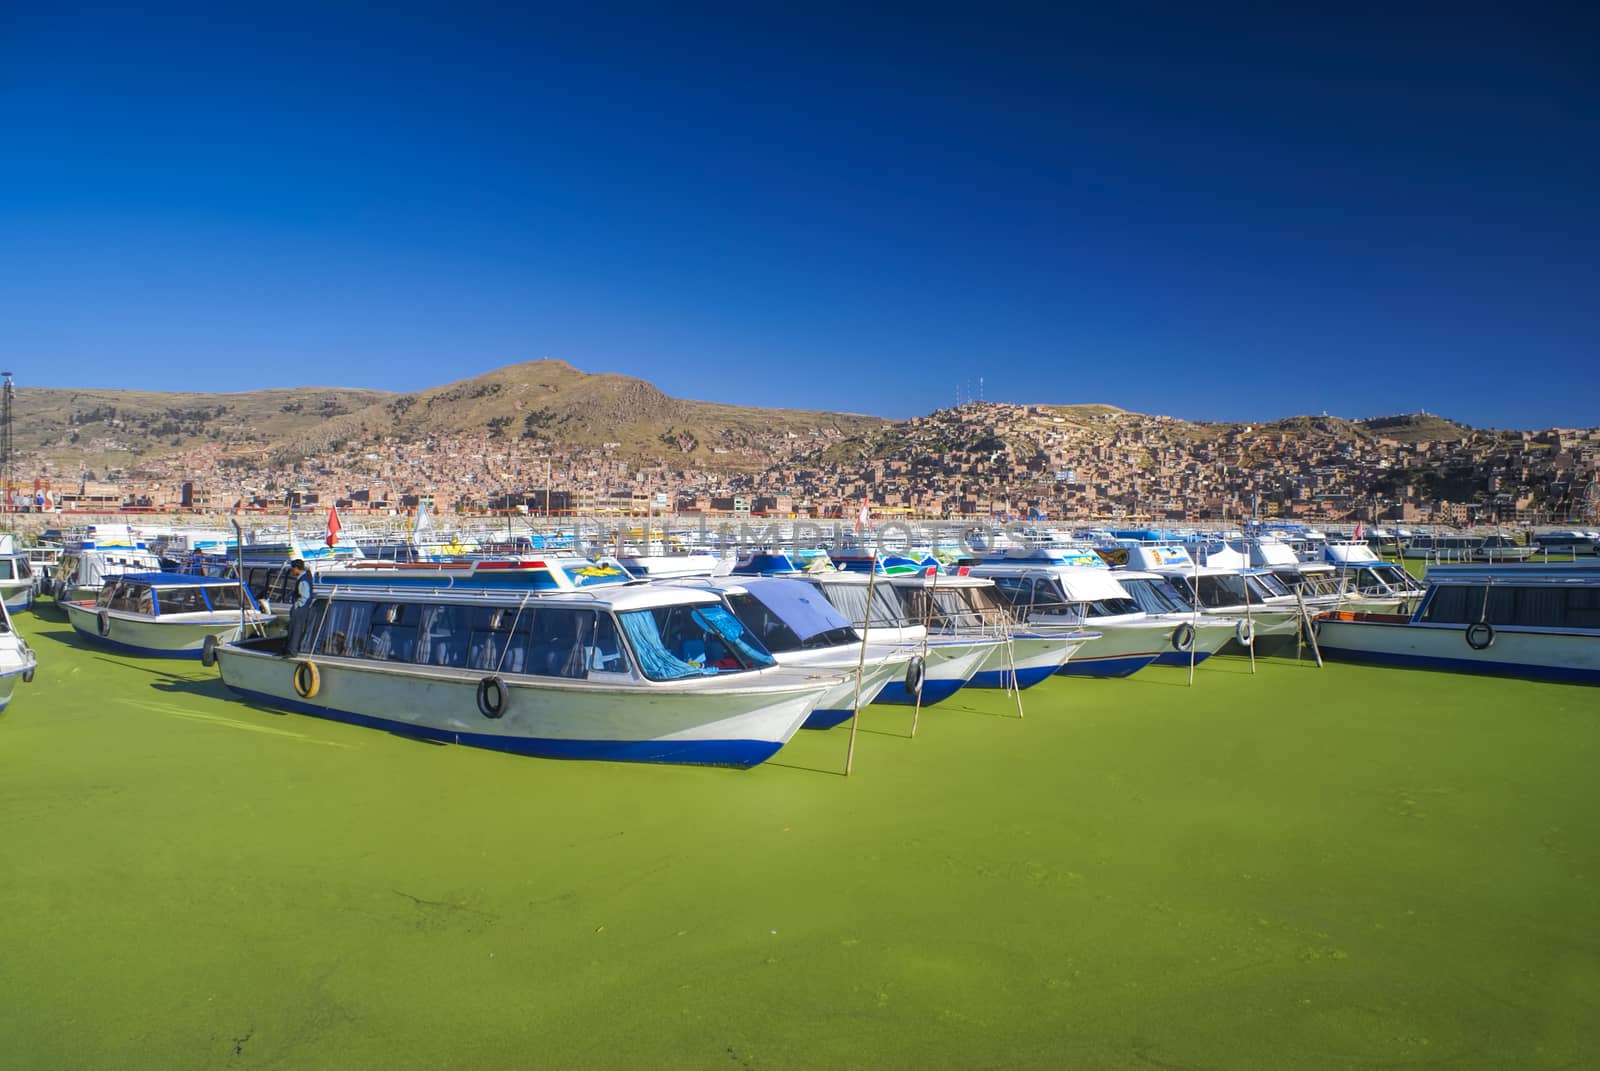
(1183, 637)
(492, 697)
(208, 651)
(914, 675)
(103, 623)
(1480, 635)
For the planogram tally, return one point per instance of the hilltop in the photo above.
(538, 403)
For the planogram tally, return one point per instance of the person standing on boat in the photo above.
(299, 603)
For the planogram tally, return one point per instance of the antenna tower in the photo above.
(7, 392)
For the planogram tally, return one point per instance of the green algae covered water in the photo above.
(1347, 867)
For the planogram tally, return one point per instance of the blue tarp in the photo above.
(801, 606)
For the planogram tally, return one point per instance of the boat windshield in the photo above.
(776, 634)
(851, 601)
(675, 642)
(1217, 589)
(1156, 596)
(1266, 585)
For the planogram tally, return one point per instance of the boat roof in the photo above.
(546, 575)
(167, 580)
(1519, 574)
(618, 597)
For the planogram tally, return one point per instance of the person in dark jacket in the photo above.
(299, 603)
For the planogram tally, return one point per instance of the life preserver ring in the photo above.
(208, 651)
(103, 623)
(1183, 637)
(491, 697)
(1245, 632)
(307, 679)
(1480, 635)
(914, 674)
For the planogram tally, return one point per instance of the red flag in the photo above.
(333, 526)
(1357, 536)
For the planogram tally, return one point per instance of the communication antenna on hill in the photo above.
(7, 392)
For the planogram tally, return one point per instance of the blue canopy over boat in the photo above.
(801, 606)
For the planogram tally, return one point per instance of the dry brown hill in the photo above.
(543, 401)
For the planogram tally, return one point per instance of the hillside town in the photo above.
(980, 460)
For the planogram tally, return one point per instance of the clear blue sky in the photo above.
(1183, 211)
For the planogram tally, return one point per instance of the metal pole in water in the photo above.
(861, 662)
(927, 624)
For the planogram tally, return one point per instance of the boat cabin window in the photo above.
(546, 641)
(14, 569)
(223, 596)
(181, 600)
(1216, 590)
(1265, 586)
(674, 642)
(1155, 596)
(1531, 606)
(851, 602)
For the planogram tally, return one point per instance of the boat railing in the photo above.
(488, 595)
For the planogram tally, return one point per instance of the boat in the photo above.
(1501, 548)
(1078, 591)
(1254, 603)
(950, 661)
(1370, 583)
(17, 580)
(1572, 541)
(515, 656)
(1440, 547)
(1540, 622)
(17, 660)
(165, 615)
(100, 553)
(966, 607)
(801, 628)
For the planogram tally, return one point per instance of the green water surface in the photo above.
(1338, 868)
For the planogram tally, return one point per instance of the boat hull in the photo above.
(1035, 659)
(884, 664)
(1533, 654)
(1210, 637)
(17, 594)
(949, 666)
(175, 636)
(675, 722)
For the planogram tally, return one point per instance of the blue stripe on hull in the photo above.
(1181, 658)
(1106, 667)
(134, 649)
(740, 753)
(1563, 674)
(933, 691)
(826, 719)
(999, 678)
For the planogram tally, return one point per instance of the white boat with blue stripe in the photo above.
(951, 660)
(17, 660)
(1532, 621)
(1076, 590)
(165, 615)
(801, 628)
(513, 656)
